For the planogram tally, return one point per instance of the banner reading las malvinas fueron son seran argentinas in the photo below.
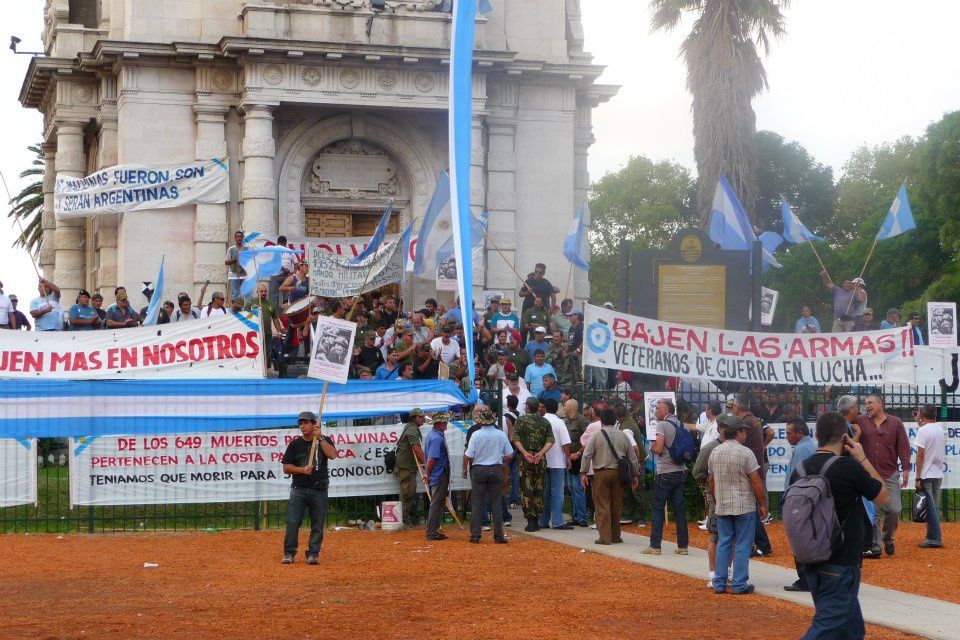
(620, 341)
(126, 188)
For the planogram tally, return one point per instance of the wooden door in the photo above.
(324, 224)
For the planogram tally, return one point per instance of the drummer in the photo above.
(297, 284)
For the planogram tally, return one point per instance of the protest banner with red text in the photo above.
(222, 347)
(237, 466)
(617, 340)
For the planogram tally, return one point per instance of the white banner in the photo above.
(239, 466)
(222, 347)
(127, 188)
(332, 348)
(332, 277)
(779, 452)
(616, 340)
(345, 247)
(927, 367)
(18, 471)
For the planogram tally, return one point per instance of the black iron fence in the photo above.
(53, 514)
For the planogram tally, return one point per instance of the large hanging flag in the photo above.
(793, 230)
(900, 218)
(405, 238)
(377, 239)
(729, 226)
(460, 132)
(156, 299)
(260, 263)
(575, 245)
(435, 230)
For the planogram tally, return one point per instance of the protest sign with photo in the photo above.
(222, 347)
(238, 466)
(942, 324)
(332, 276)
(126, 188)
(650, 401)
(619, 341)
(332, 348)
(447, 274)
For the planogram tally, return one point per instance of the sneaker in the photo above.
(531, 527)
(929, 544)
(681, 551)
(756, 553)
(872, 553)
(501, 541)
(641, 524)
(651, 551)
(767, 520)
(485, 527)
(702, 527)
(508, 523)
(702, 522)
(439, 536)
(287, 560)
(750, 589)
(795, 587)
(593, 526)
(564, 527)
(889, 549)
(474, 540)
(710, 577)
(625, 521)
(582, 523)
(313, 560)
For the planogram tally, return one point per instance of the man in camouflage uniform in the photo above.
(634, 507)
(532, 437)
(409, 452)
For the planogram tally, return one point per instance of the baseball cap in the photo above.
(307, 415)
(501, 352)
(540, 330)
(83, 292)
(505, 301)
(731, 400)
(859, 281)
(868, 310)
(414, 413)
(730, 421)
(608, 305)
(369, 334)
(122, 296)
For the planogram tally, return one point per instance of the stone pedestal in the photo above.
(69, 272)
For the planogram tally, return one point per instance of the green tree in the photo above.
(27, 206)
(644, 203)
(724, 74)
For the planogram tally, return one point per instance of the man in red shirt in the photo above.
(886, 444)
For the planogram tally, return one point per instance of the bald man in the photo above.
(576, 425)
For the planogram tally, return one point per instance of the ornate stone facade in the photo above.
(320, 105)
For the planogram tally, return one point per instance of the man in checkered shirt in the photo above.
(736, 486)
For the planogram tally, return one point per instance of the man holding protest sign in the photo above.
(308, 489)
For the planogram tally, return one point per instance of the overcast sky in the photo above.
(848, 73)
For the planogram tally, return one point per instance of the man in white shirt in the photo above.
(444, 346)
(215, 308)
(931, 449)
(708, 429)
(7, 318)
(558, 459)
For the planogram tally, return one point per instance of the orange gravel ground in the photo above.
(369, 585)
(927, 572)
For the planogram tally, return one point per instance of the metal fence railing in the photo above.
(53, 514)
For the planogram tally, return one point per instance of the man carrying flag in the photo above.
(261, 263)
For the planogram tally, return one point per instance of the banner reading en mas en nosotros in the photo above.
(238, 466)
(619, 341)
(222, 347)
(127, 188)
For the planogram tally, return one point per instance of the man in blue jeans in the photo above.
(835, 583)
(308, 488)
(669, 481)
(734, 481)
(558, 461)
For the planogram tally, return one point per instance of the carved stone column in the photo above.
(502, 204)
(48, 220)
(478, 188)
(69, 261)
(582, 140)
(258, 190)
(105, 226)
(210, 230)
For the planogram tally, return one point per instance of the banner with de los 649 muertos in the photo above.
(617, 340)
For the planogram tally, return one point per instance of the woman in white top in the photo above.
(215, 308)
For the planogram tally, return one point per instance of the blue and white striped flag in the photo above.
(377, 238)
(793, 230)
(729, 226)
(575, 245)
(156, 299)
(460, 133)
(263, 263)
(900, 218)
(435, 230)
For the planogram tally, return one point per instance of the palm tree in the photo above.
(28, 205)
(724, 74)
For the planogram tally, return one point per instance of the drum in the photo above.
(298, 312)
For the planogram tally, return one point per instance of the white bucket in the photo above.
(391, 516)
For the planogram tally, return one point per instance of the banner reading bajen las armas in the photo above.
(630, 343)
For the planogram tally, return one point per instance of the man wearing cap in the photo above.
(368, 355)
(847, 301)
(913, 320)
(426, 366)
(445, 348)
(504, 318)
(738, 494)
(560, 321)
(536, 316)
(437, 473)
(498, 370)
(517, 355)
(308, 487)
(865, 322)
(488, 452)
(122, 316)
(45, 309)
(7, 318)
(539, 342)
(404, 344)
(532, 437)
(83, 317)
(21, 320)
(409, 453)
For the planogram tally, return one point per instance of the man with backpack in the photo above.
(759, 436)
(673, 449)
(826, 528)
(604, 450)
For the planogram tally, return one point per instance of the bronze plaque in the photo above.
(692, 294)
(691, 248)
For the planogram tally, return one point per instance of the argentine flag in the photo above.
(377, 238)
(793, 230)
(729, 226)
(900, 218)
(156, 299)
(262, 263)
(575, 245)
(435, 230)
